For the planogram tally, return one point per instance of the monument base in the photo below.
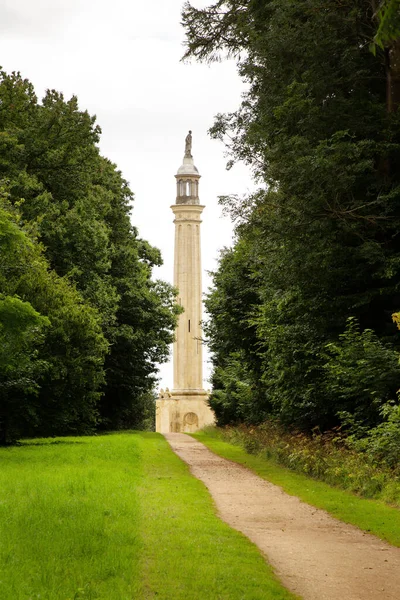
(184, 413)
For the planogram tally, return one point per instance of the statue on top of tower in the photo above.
(188, 145)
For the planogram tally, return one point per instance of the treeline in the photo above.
(301, 312)
(82, 324)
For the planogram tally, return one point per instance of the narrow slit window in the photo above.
(189, 325)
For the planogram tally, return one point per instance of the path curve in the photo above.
(313, 554)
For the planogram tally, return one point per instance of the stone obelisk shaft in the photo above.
(188, 359)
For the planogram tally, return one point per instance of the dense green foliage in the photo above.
(100, 518)
(318, 244)
(53, 346)
(90, 324)
(388, 14)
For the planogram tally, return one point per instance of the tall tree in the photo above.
(79, 207)
(53, 348)
(387, 37)
(321, 235)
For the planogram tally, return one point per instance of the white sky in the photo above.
(122, 60)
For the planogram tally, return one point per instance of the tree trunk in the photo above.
(3, 425)
(392, 56)
(3, 432)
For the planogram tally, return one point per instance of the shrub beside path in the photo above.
(314, 555)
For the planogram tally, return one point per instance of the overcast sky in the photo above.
(122, 60)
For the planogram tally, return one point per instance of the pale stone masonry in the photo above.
(185, 408)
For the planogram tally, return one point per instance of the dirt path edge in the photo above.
(314, 555)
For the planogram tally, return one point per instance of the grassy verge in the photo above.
(117, 517)
(189, 553)
(372, 516)
(70, 519)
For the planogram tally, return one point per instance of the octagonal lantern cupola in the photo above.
(187, 177)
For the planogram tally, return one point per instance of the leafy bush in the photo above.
(381, 444)
(234, 398)
(362, 375)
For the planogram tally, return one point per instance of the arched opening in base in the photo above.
(190, 422)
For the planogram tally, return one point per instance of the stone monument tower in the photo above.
(185, 407)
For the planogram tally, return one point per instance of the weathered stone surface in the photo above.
(183, 414)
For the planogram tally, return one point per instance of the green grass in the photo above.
(372, 516)
(117, 517)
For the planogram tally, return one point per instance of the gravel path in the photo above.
(314, 555)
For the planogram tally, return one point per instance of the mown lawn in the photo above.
(117, 517)
(372, 516)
